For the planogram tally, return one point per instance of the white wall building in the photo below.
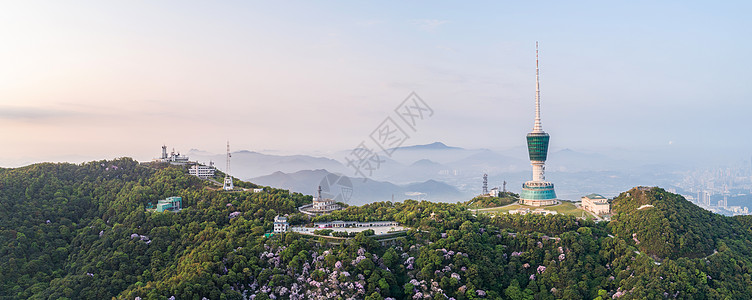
(596, 204)
(324, 204)
(537, 211)
(280, 224)
(354, 224)
(202, 171)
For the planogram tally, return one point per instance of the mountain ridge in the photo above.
(83, 231)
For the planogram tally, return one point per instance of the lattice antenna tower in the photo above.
(228, 178)
(485, 184)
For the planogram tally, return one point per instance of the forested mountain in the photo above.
(82, 232)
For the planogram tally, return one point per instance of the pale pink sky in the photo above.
(95, 80)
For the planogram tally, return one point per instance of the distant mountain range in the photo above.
(575, 173)
(367, 191)
(431, 146)
(249, 164)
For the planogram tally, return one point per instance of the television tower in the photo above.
(228, 179)
(538, 191)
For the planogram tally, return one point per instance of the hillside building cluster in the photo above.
(174, 158)
(195, 168)
(320, 206)
(494, 192)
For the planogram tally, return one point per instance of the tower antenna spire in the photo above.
(537, 126)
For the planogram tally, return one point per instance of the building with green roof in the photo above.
(170, 204)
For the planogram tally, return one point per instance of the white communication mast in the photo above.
(228, 179)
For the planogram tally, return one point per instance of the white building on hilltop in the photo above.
(324, 204)
(202, 171)
(320, 206)
(173, 158)
(596, 204)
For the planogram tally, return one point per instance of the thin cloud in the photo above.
(14, 113)
(429, 25)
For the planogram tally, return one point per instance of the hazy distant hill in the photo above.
(575, 161)
(247, 164)
(423, 169)
(488, 161)
(575, 173)
(307, 181)
(437, 151)
(431, 146)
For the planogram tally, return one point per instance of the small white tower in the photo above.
(228, 179)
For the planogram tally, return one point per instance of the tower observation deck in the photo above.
(538, 192)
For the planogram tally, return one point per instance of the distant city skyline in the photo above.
(102, 80)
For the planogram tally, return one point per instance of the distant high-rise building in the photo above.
(538, 191)
(706, 198)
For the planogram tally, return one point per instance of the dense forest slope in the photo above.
(82, 232)
(667, 225)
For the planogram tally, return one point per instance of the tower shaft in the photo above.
(539, 171)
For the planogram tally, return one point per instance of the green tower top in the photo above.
(537, 146)
(537, 141)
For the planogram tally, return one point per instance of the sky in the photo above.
(88, 80)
